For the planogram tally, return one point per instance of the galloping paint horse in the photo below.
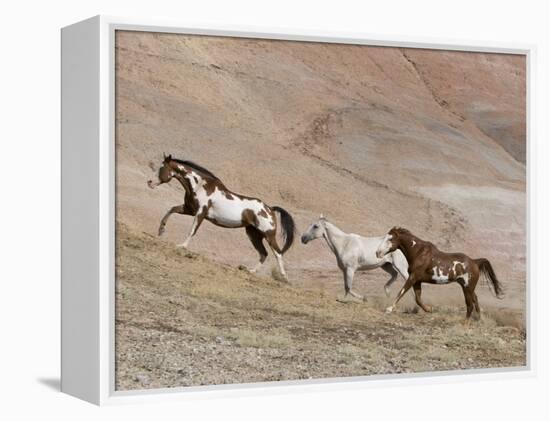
(428, 264)
(206, 197)
(354, 252)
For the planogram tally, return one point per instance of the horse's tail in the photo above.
(487, 270)
(288, 227)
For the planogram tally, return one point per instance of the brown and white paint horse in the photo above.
(206, 197)
(428, 264)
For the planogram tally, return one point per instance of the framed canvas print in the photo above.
(246, 210)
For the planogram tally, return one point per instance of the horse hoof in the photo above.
(182, 246)
(347, 299)
(467, 323)
(389, 310)
(161, 231)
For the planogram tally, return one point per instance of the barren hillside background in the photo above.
(371, 137)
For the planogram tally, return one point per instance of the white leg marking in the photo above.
(281, 264)
(257, 267)
(185, 244)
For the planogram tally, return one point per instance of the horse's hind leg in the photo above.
(388, 267)
(176, 209)
(256, 238)
(271, 240)
(418, 297)
(468, 298)
(476, 306)
(472, 285)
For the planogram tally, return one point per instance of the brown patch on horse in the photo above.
(256, 238)
(248, 217)
(191, 204)
(271, 239)
(263, 213)
(210, 186)
(204, 210)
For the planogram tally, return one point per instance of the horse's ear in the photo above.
(322, 217)
(163, 156)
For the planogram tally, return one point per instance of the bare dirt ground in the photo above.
(371, 137)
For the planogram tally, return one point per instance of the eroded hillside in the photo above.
(370, 136)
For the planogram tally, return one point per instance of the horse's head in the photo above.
(315, 230)
(165, 172)
(390, 243)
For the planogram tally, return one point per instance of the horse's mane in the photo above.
(197, 167)
(401, 230)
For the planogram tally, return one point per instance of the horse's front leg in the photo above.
(397, 264)
(410, 282)
(194, 227)
(348, 283)
(176, 209)
(418, 297)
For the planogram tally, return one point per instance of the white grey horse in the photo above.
(354, 252)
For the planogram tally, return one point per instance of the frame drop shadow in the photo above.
(54, 383)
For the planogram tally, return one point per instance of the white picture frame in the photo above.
(88, 211)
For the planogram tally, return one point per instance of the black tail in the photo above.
(289, 227)
(487, 270)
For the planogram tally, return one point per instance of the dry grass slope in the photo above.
(183, 319)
